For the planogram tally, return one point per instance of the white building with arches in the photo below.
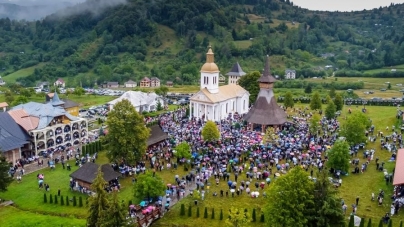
(214, 102)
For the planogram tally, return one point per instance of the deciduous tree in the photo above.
(183, 150)
(314, 124)
(148, 186)
(353, 129)
(339, 102)
(338, 156)
(127, 134)
(330, 110)
(210, 132)
(79, 91)
(332, 93)
(238, 218)
(5, 178)
(288, 102)
(250, 83)
(290, 200)
(315, 102)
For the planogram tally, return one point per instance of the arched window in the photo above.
(234, 105)
(227, 105)
(244, 104)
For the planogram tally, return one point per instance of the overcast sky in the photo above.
(343, 5)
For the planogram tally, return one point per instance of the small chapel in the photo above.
(265, 111)
(214, 102)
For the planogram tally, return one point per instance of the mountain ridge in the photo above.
(168, 39)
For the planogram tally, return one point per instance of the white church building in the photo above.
(214, 102)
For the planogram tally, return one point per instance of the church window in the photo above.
(244, 104)
(234, 105)
(227, 105)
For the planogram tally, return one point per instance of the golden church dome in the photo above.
(210, 65)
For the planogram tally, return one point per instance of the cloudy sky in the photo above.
(343, 5)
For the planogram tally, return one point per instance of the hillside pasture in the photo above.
(12, 78)
(369, 82)
(290, 24)
(243, 44)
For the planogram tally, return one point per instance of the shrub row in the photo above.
(92, 148)
(54, 200)
(212, 214)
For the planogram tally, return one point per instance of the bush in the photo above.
(221, 214)
(62, 201)
(190, 211)
(80, 202)
(74, 201)
(56, 199)
(213, 213)
(254, 218)
(205, 214)
(262, 219)
(50, 199)
(45, 198)
(182, 212)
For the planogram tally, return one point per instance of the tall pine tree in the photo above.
(98, 204)
(116, 213)
(5, 178)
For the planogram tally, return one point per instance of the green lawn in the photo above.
(12, 78)
(18, 218)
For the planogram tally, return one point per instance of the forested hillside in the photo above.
(88, 43)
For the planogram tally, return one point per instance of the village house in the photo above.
(3, 106)
(170, 84)
(43, 85)
(130, 84)
(290, 74)
(154, 82)
(145, 82)
(111, 85)
(59, 83)
(86, 174)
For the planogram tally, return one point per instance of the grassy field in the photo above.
(243, 44)
(18, 218)
(374, 84)
(12, 78)
(398, 68)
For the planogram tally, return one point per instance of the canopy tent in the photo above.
(399, 170)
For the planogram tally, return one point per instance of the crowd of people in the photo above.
(241, 163)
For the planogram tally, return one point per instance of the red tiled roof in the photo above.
(3, 104)
(399, 171)
(24, 120)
